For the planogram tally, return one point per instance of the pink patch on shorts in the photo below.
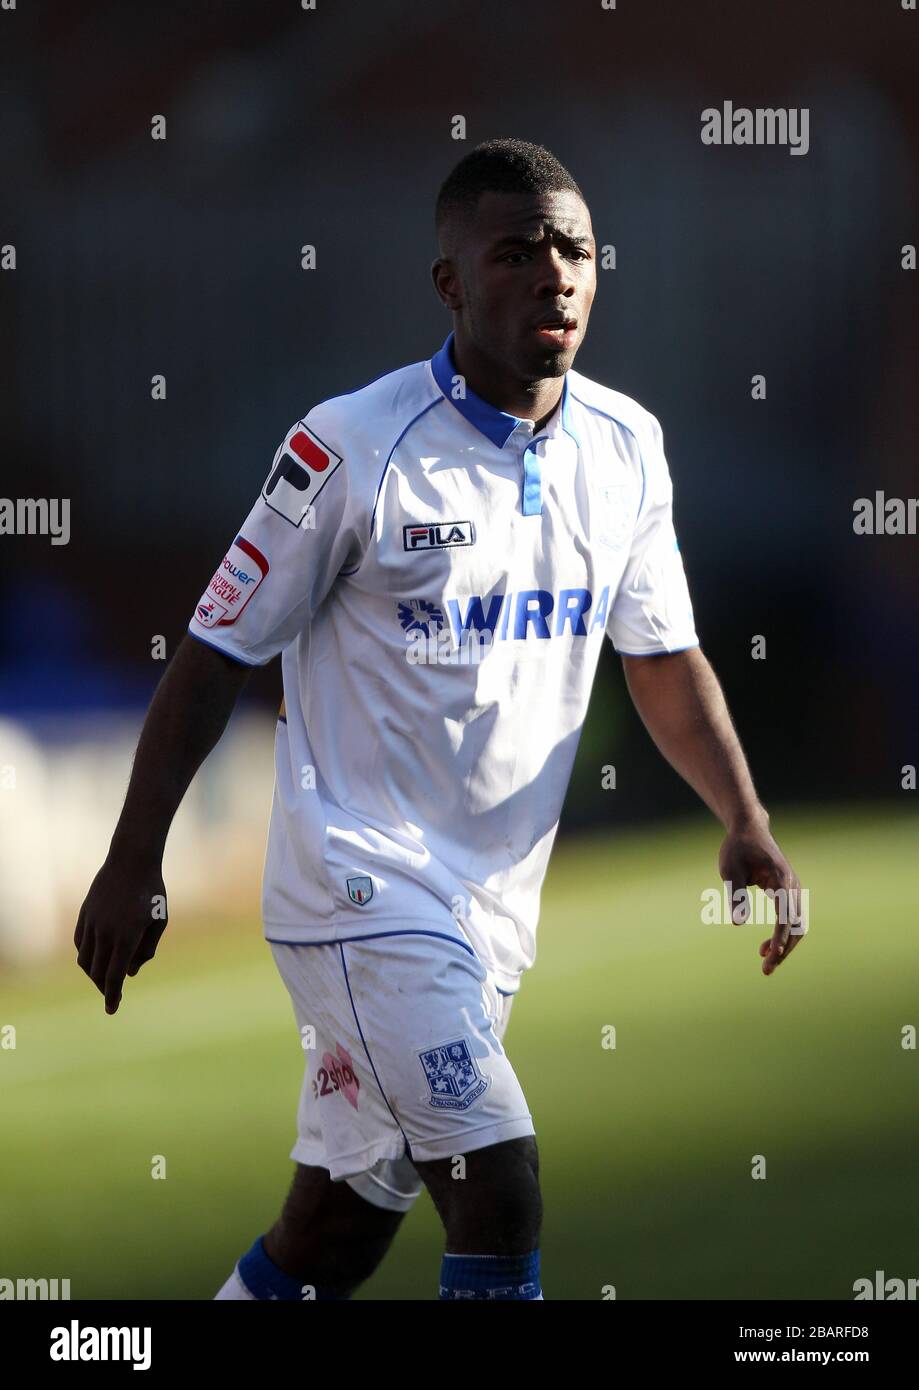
(342, 1075)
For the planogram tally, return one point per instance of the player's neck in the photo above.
(534, 400)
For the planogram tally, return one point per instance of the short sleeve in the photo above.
(305, 527)
(652, 612)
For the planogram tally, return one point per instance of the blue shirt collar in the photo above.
(495, 424)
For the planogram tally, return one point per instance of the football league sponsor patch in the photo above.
(302, 467)
(241, 571)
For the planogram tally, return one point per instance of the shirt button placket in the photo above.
(531, 488)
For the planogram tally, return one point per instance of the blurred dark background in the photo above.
(333, 127)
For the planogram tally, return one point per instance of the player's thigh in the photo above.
(406, 1063)
(426, 1013)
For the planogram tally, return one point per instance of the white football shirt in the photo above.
(439, 579)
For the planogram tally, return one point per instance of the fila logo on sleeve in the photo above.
(241, 571)
(302, 467)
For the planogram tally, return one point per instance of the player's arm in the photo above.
(306, 525)
(678, 697)
(124, 916)
(682, 706)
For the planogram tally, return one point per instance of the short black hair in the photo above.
(497, 166)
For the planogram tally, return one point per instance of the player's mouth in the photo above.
(559, 330)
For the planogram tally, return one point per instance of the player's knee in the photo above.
(491, 1203)
(330, 1237)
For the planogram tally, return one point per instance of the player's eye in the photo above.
(510, 256)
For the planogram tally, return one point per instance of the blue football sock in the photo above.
(264, 1280)
(490, 1276)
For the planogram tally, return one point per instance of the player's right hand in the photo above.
(120, 924)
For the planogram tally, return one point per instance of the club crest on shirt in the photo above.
(453, 1077)
(615, 519)
(360, 889)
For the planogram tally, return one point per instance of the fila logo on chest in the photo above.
(438, 536)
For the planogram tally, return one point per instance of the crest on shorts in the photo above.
(453, 1077)
(360, 889)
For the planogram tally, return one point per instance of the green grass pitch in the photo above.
(646, 1150)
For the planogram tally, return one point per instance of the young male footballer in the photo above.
(437, 558)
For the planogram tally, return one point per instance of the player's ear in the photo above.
(446, 282)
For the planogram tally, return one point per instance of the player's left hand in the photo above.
(750, 856)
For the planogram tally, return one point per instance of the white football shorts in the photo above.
(402, 1034)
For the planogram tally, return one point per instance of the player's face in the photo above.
(528, 258)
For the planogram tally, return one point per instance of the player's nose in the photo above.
(556, 277)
